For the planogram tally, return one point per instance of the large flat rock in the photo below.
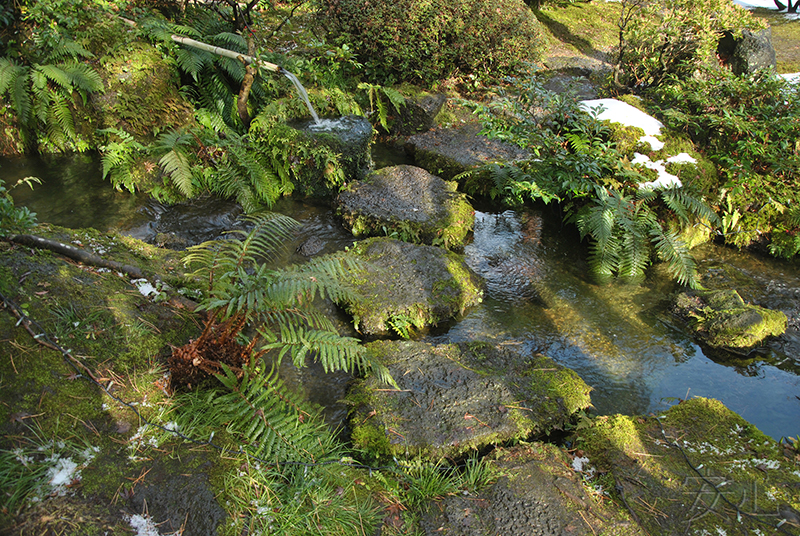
(454, 398)
(446, 152)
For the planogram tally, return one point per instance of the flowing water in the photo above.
(302, 92)
(619, 338)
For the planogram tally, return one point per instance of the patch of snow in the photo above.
(143, 525)
(623, 113)
(146, 288)
(682, 158)
(765, 4)
(664, 180)
(61, 475)
(792, 78)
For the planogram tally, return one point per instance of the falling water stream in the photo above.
(618, 338)
(303, 94)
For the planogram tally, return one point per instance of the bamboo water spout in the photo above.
(247, 60)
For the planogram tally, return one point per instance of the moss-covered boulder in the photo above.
(722, 319)
(142, 95)
(406, 286)
(349, 137)
(446, 152)
(454, 398)
(407, 202)
(697, 469)
(536, 492)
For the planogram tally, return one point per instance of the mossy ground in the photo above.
(697, 469)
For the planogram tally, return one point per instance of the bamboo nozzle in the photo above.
(227, 53)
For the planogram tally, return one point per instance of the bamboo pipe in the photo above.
(227, 53)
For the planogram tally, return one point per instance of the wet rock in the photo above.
(699, 468)
(350, 137)
(538, 494)
(185, 224)
(454, 398)
(409, 202)
(311, 247)
(408, 286)
(448, 152)
(721, 319)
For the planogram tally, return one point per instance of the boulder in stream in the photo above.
(408, 286)
(538, 493)
(409, 202)
(447, 152)
(722, 319)
(454, 398)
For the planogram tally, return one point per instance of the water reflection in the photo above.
(73, 193)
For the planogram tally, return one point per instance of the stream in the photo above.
(619, 338)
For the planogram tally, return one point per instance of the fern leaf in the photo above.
(671, 249)
(55, 74)
(176, 164)
(83, 77)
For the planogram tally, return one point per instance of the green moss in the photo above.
(626, 139)
(142, 94)
(656, 461)
(582, 27)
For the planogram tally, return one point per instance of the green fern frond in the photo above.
(55, 74)
(8, 74)
(671, 249)
(231, 40)
(210, 120)
(269, 420)
(21, 97)
(61, 121)
(683, 203)
(175, 162)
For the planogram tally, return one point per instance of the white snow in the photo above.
(766, 4)
(145, 287)
(623, 113)
(143, 525)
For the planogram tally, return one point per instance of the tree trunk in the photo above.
(247, 84)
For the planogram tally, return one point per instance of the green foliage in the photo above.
(577, 164)
(413, 40)
(673, 37)
(749, 126)
(279, 303)
(15, 219)
(41, 97)
(376, 104)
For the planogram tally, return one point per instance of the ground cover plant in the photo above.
(749, 126)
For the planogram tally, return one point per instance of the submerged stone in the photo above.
(454, 398)
(408, 286)
(721, 319)
(409, 202)
(697, 469)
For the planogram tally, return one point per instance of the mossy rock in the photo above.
(536, 492)
(142, 95)
(409, 203)
(721, 319)
(697, 469)
(455, 398)
(447, 152)
(407, 286)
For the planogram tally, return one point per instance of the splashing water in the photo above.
(303, 94)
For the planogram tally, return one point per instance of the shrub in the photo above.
(749, 126)
(413, 40)
(673, 37)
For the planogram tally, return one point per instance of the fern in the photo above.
(279, 302)
(671, 249)
(269, 421)
(175, 162)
